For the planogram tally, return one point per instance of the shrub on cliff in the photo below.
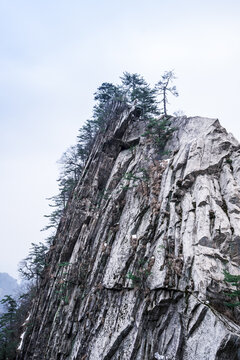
(159, 131)
(235, 281)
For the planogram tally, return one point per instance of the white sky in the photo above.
(53, 56)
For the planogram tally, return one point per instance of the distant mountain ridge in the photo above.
(8, 286)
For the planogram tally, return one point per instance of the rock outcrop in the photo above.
(136, 270)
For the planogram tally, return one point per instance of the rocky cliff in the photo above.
(136, 270)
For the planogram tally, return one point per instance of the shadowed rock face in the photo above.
(136, 270)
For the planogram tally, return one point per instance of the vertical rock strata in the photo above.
(136, 270)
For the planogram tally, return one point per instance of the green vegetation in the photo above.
(32, 266)
(136, 90)
(139, 278)
(228, 161)
(62, 282)
(64, 264)
(140, 275)
(234, 280)
(7, 330)
(159, 131)
(10, 323)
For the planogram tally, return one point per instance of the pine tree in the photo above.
(32, 266)
(164, 88)
(8, 336)
(136, 89)
(106, 92)
(104, 95)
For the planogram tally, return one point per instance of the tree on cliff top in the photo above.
(106, 92)
(164, 88)
(136, 89)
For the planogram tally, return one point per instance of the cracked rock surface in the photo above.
(140, 252)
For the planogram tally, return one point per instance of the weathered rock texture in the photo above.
(136, 271)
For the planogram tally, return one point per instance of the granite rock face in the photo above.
(136, 270)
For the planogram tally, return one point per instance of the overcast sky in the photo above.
(53, 56)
